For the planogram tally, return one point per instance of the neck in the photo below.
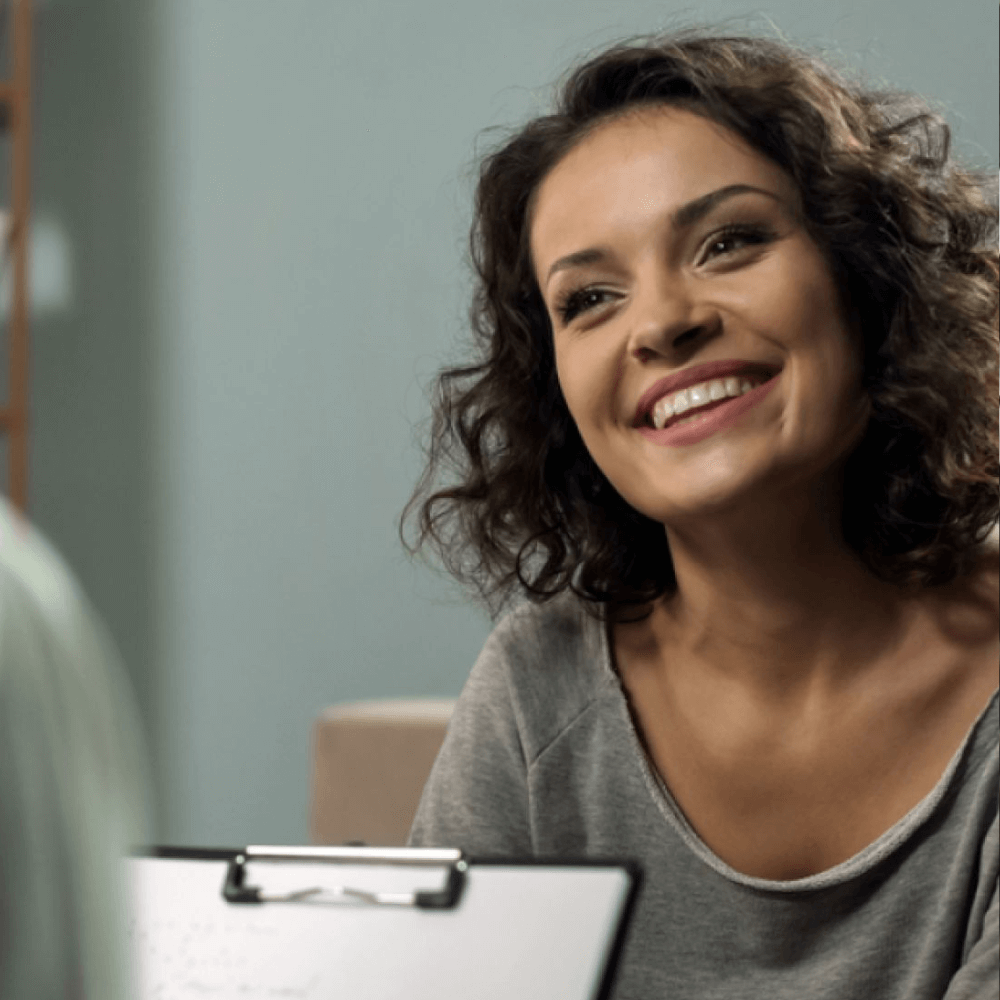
(779, 606)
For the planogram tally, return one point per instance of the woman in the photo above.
(759, 653)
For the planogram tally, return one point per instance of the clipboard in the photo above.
(364, 923)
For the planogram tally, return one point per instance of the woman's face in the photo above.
(662, 242)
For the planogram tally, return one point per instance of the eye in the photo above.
(577, 300)
(731, 239)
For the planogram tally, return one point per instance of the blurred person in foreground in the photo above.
(73, 781)
(730, 435)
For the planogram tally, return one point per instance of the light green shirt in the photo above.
(72, 781)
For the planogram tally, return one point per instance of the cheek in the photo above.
(589, 385)
(577, 388)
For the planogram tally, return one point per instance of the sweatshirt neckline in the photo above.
(865, 859)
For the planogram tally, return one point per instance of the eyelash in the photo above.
(570, 303)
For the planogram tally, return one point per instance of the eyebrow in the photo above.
(683, 218)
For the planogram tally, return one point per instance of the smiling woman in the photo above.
(733, 432)
(663, 192)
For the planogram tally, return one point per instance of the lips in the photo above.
(695, 411)
(700, 373)
(717, 420)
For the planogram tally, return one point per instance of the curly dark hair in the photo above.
(911, 240)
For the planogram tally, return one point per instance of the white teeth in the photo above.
(699, 395)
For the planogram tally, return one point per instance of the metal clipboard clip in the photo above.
(235, 889)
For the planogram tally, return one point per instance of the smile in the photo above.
(699, 397)
(713, 413)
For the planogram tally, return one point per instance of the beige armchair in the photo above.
(370, 761)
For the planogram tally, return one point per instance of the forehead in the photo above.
(640, 166)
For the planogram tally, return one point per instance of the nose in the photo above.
(670, 316)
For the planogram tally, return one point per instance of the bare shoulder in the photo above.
(960, 637)
(989, 553)
(968, 610)
(987, 573)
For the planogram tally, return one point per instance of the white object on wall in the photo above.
(50, 267)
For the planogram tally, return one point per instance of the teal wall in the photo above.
(265, 207)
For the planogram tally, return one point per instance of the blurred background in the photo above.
(248, 258)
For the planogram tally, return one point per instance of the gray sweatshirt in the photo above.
(541, 759)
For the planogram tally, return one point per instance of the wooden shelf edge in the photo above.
(10, 420)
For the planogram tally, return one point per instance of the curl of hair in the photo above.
(911, 239)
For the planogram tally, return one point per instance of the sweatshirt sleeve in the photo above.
(979, 976)
(476, 797)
